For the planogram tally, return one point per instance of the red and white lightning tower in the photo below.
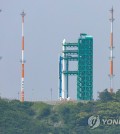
(111, 75)
(22, 61)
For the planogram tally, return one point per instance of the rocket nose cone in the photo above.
(64, 41)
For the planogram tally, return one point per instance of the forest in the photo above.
(61, 118)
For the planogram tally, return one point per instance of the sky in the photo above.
(47, 23)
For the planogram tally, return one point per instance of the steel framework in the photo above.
(82, 52)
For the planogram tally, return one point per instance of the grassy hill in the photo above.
(63, 118)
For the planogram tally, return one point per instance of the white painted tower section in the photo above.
(64, 77)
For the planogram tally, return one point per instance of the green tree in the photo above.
(105, 96)
(118, 95)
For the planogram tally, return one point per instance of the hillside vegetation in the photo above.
(64, 118)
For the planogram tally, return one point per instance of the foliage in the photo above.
(117, 96)
(62, 118)
(105, 96)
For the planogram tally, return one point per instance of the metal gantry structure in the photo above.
(82, 52)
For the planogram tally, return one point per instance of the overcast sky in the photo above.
(47, 23)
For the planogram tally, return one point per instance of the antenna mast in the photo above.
(22, 61)
(111, 75)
